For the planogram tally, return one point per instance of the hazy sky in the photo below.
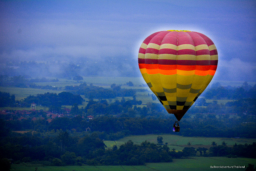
(67, 30)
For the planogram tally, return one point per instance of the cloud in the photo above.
(236, 70)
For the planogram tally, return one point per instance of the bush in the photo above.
(45, 163)
(56, 162)
(26, 159)
(79, 161)
(69, 158)
(5, 164)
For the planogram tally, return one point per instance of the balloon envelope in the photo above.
(177, 66)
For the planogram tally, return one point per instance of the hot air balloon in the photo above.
(177, 65)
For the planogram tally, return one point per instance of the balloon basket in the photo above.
(176, 127)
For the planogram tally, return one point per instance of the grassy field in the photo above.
(194, 164)
(145, 97)
(21, 93)
(96, 80)
(179, 142)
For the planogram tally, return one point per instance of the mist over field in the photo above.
(100, 38)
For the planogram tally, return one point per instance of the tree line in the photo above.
(220, 92)
(113, 128)
(90, 149)
(96, 92)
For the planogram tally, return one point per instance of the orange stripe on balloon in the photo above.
(201, 73)
(143, 71)
(203, 67)
(152, 71)
(142, 66)
(167, 67)
(167, 72)
(186, 67)
(211, 72)
(151, 66)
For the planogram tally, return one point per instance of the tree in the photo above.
(5, 164)
(250, 167)
(224, 144)
(64, 138)
(74, 109)
(69, 158)
(189, 151)
(160, 140)
(79, 161)
(56, 162)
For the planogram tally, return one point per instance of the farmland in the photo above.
(194, 164)
(179, 142)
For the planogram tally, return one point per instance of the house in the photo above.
(90, 117)
(21, 118)
(33, 106)
(67, 110)
(49, 120)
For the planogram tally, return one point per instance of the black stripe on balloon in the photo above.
(172, 107)
(186, 107)
(195, 98)
(162, 98)
(180, 103)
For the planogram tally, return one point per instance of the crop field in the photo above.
(194, 164)
(179, 142)
(144, 96)
(96, 80)
(21, 93)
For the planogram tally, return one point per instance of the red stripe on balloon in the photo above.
(186, 52)
(152, 50)
(142, 50)
(206, 39)
(213, 52)
(147, 40)
(178, 62)
(184, 38)
(203, 52)
(168, 51)
(157, 39)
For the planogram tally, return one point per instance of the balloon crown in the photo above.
(180, 30)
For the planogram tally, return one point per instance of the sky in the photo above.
(98, 29)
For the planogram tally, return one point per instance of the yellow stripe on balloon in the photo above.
(153, 46)
(186, 57)
(168, 46)
(167, 56)
(212, 47)
(186, 46)
(214, 57)
(141, 56)
(203, 57)
(143, 46)
(182, 72)
(151, 56)
(201, 47)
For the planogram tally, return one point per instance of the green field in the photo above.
(96, 80)
(21, 93)
(179, 142)
(194, 164)
(145, 97)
